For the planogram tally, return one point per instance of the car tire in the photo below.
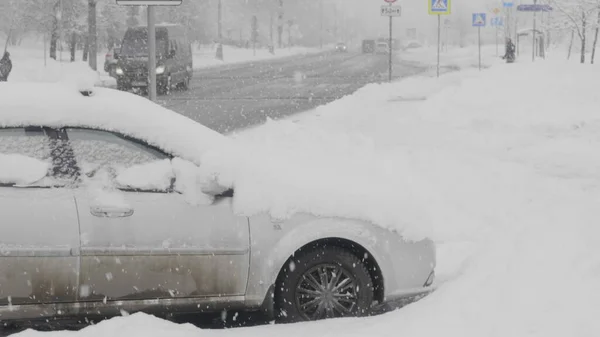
(324, 282)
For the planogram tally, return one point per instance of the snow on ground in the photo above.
(502, 165)
(29, 64)
(454, 57)
(205, 56)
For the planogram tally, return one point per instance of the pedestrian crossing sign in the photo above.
(479, 20)
(439, 7)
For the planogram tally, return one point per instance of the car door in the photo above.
(142, 240)
(39, 236)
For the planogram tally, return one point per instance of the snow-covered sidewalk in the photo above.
(500, 167)
(29, 64)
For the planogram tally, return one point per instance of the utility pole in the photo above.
(280, 23)
(533, 33)
(151, 54)
(321, 18)
(335, 24)
(92, 37)
(219, 21)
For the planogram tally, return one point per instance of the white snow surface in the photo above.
(499, 167)
(21, 170)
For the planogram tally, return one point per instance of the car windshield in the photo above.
(135, 43)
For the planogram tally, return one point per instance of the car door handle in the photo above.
(111, 212)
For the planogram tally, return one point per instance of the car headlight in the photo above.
(160, 70)
(119, 71)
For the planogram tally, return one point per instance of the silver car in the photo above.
(71, 245)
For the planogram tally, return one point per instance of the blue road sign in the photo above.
(534, 8)
(439, 7)
(479, 19)
(497, 22)
(508, 4)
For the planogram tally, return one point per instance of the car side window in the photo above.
(25, 156)
(121, 162)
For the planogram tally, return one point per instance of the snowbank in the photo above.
(454, 58)
(29, 66)
(502, 165)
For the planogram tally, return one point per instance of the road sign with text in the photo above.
(149, 2)
(391, 11)
(439, 7)
(534, 8)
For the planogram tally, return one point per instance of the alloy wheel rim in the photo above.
(326, 291)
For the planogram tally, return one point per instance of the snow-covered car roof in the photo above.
(57, 105)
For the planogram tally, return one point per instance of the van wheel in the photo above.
(325, 282)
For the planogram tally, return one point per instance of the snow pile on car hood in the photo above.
(287, 169)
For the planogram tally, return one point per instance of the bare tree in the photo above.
(596, 36)
(577, 16)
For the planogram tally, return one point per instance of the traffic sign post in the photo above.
(391, 11)
(507, 28)
(479, 20)
(439, 8)
(151, 36)
(534, 8)
(497, 22)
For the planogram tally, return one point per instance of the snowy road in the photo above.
(234, 97)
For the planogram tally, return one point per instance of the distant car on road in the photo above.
(173, 54)
(382, 48)
(412, 45)
(98, 217)
(341, 47)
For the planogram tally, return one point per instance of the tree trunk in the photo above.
(53, 39)
(583, 37)
(596, 37)
(73, 46)
(86, 49)
(54, 32)
(571, 44)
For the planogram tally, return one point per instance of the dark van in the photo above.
(174, 65)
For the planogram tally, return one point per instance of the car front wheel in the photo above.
(325, 282)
